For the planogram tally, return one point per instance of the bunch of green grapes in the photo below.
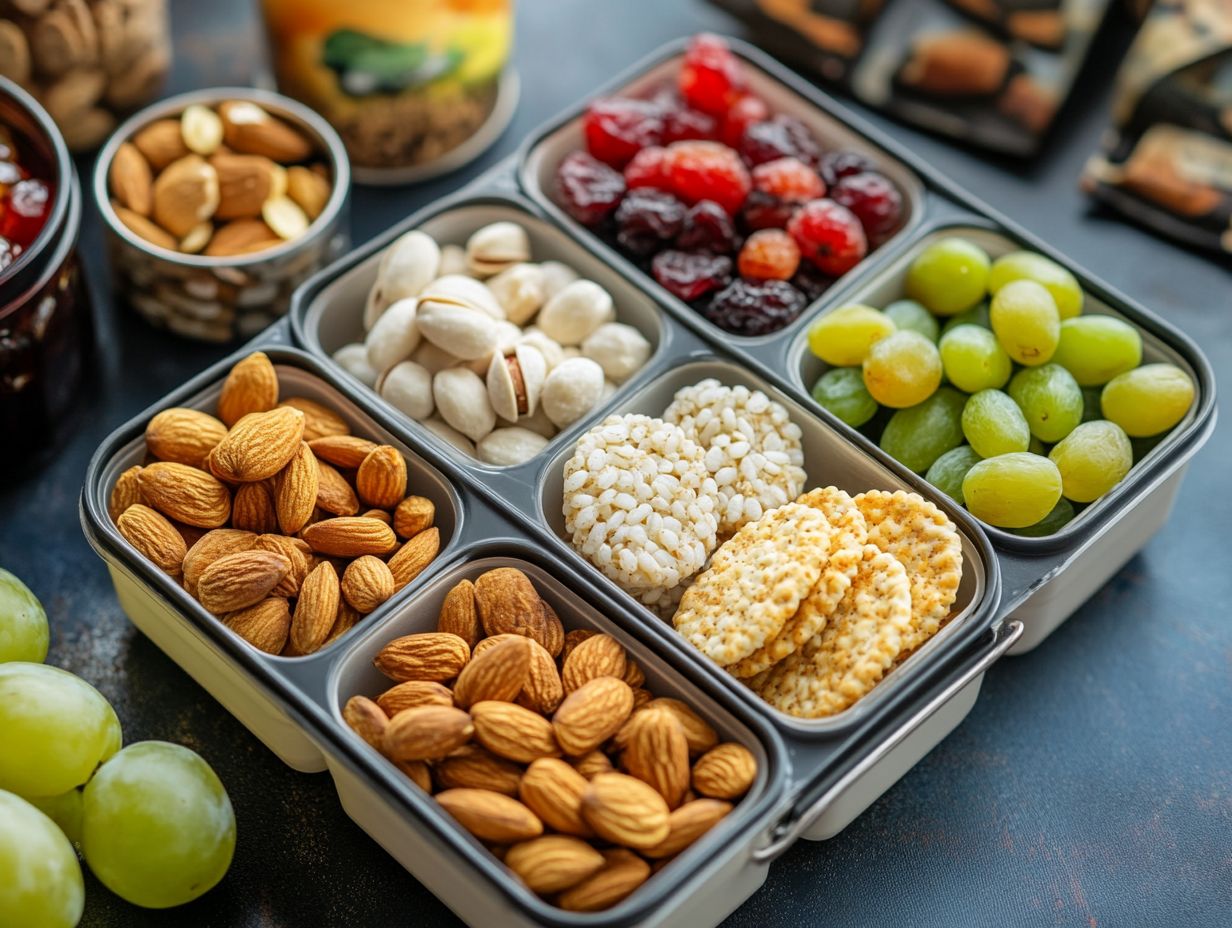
(988, 379)
(152, 820)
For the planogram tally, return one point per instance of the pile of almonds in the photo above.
(257, 512)
(221, 181)
(546, 745)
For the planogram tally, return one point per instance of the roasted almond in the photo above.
(633, 674)
(496, 674)
(592, 763)
(366, 719)
(381, 478)
(185, 195)
(697, 731)
(413, 556)
(145, 228)
(542, 690)
(553, 635)
(688, 823)
(512, 732)
(126, 492)
(244, 183)
(308, 189)
(150, 533)
(264, 625)
(473, 767)
(295, 491)
(658, 754)
(413, 515)
(319, 421)
(316, 608)
(508, 603)
(553, 791)
(490, 816)
(427, 733)
(459, 615)
(598, 656)
(249, 129)
(241, 237)
(351, 536)
(251, 386)
(573, 638)
(130, 179)
(161, 142)
(725, 772)
(183, 436)
(209, 548)
(622, 873)
(553, 862)
(334, 494)
(258, 446)
(366, 583)
(346, 620)
(414, 693)
(433, 656)
(186, 494)
(591, 714)
(236, 581)
(347, 451)
(253, 509)
(294, 551)
(625, 811)
(418, 772)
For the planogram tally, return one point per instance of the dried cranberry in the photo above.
(648, 169)
(780, 137)
(810, 281)
(681, 123)
(755, 307)
(588, 188)
(789, 179)
(708, 171)
(742, 114)
(618, 128)
(765, 211)
(829, 235)
(711, 77)
(838, 164)
(647, 219)
(690, 276)
(874, 199)
(707, 227)
(770, 254)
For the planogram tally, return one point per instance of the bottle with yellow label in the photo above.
(414, 87)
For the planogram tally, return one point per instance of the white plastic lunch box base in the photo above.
(217, 675)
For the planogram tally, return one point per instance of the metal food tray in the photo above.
(814, 776)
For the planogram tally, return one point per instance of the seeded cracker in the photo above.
(755, 583)
(860, 642)
(847, 537)
(926, 542)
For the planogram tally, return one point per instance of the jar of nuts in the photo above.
(218, 204)
(85, 60)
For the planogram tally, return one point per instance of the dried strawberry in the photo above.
(829, 235)
(789, 179)
(770, 254)
(648, 169)
(618, 128)
(707, 227)
(690, 276)
(707, 171)
(747, 110)
(874, 199)
(711, 78)
(587, 188)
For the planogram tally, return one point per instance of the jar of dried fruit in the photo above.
(414, 87)
(86, 61)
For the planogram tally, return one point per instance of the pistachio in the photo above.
(556, 277)
(552, 353)
(353, 359)
(515, 382)
(408, 265)
(408, 388)
(431, 358)
(519, 290)
(462, 400)
(449, 434)
(538, 422)
(575, 312)
(507, 336)
(495, 247)
(395, 335)
(619, 349)
(467, 289)
(453, 260)
(508, 446)
(457, 326)
(571, 390)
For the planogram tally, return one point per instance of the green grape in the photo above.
(908, 314)
(948, 471)
(64, 810)
(1092, 459)
(917, 436)
(1012, 490)
(23, 623)
(1097, 348)
(993, 424)
(1062, 513)
(1025, 319)
(55, 729)
(902, 370)
(843, 337)
(1148, 400)
(1035, 446)
(977, 315)
(1027, 265)
(1050, 398)
(157, 827)
(973, 359)
(1090, 404)
(40, 879)
(948, 276)
(841, 390)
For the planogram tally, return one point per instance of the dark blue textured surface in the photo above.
(1091, 785)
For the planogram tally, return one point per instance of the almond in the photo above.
(413, 515)
(351, 536)
(201, 129)
(433, 656)
(487, 643)
(497, 674)
(161, 143)
(366, 583)
(598, 656)
(346, 620)
(253, 509)
(241, 237)
(542, 690)
(641, 698)
(126, 492)
(186, 494)
(633, 674)
(473, 767)
(688, 823)
(294, 551)
(697, 732)
(244, 183)
(251, 386)
(381, 478)
(183, 436)
(295, 493)
(319, 421)
(366, 719)
(209, 548)
(512, 732)
(553, 862)
(334, 494)
(151, 534)
(236, 581)
(145, 228)
(459, 615)
(622, 873)
(588, 765)
(490, 816)
(508, 603)
(573, 638)
(414, 693)
(591, 714)
(130, 179)
(308, 189)
(249, 129)
(380, 515)
(427, 733)
(418, 772)
(185, 195)
(413, 556)
(553, 791)
(625, 811)
(258, 446)
(264, 625)
(725, 772)
(658, 754)
(553, 637)
(316, 608)
(347, 451)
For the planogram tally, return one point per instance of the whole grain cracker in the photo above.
(754, 583)
(860, 642)
(928, 545)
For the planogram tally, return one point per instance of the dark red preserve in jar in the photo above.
(45, 328)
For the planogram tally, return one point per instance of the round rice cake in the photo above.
(755, 583)
(860, 642)
(847, 538)
(923, 538)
